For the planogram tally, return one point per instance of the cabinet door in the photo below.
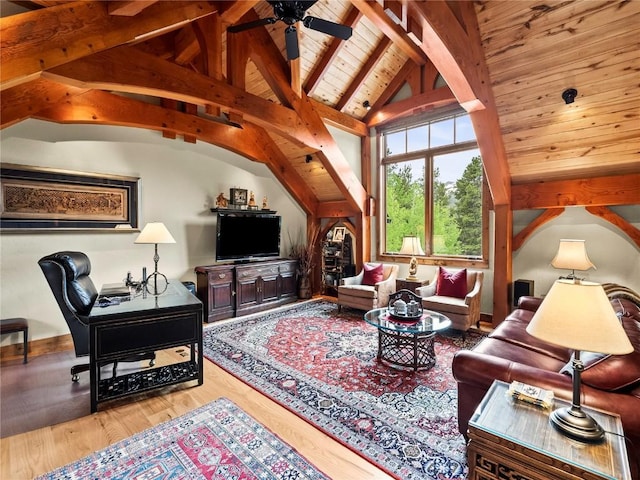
(246, 292)
(269, 288)
(216, 291)
(221, 291)
(289, 279)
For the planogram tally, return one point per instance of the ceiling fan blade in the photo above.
(291, 39)
(254, 24)
(330, 28)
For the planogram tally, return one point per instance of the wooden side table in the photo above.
(512, 439)
(411, 285)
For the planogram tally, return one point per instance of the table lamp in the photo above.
(579, 316)
(411, 246)
(155, 233)
(572, 255)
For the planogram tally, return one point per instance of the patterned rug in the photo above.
(217, 441)
(322, 366)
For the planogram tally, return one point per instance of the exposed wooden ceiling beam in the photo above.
(526, 232)
(208, 30)
(237, 61)
(27, 46)
(250, 141)
(613, 190)
(22, 101)
(414, 105)
(231, 12)
(128, 8)
(394, 87)
(486, 123)
(448, 46)
(186, 45)
(331, 54)
(335, 210)
(127, 69)
(363, 73)
(237, 58)
(339, 119)
(375, 12)
(396, 10)
(615, 219)
(296, 80)
(269, 61)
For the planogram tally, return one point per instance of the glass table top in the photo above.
(428, 322)
(176, 295)
(528, 425)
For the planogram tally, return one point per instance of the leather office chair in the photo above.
(68, 276)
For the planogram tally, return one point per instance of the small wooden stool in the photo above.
(13, 325)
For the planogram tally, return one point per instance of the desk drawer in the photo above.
(221, 276)
(145, 335)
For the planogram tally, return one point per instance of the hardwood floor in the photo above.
(35, 452)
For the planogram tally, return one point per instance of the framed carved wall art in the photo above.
(44, 199)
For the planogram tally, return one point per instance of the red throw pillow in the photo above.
(452, 284)
(373, 274)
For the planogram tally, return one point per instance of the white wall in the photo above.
(616, 257)
(179, 184)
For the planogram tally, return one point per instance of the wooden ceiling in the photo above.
(172, 67)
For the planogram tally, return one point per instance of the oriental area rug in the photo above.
(216, 441)
(322, 365)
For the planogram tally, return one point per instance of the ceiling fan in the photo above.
(291, 12)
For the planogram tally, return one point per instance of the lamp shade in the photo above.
(572, 255)
(155, 232)
(411, 246)
(578, 315)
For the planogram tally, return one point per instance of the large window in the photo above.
(432, 185)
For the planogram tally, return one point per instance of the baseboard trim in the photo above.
(36, 347)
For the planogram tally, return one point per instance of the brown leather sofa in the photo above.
(609, 382)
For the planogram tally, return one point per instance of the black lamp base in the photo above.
(575, 423)
(156, 283)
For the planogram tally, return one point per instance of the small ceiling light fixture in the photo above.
(366, 104)
(569, 95)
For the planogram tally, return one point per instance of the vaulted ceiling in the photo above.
(173, 67)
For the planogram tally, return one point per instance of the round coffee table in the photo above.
(403, 344)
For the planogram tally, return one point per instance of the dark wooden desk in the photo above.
(143, 324)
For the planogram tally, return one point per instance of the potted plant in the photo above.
(304, 253)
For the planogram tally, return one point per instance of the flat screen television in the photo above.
(243, 237)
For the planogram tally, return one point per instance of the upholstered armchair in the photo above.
(450, 295)
(370, 288)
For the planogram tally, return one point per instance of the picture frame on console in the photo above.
(238, 196)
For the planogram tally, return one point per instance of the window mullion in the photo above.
(428, 208)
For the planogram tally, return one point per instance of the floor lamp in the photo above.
(155, 233)
(578, 315)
